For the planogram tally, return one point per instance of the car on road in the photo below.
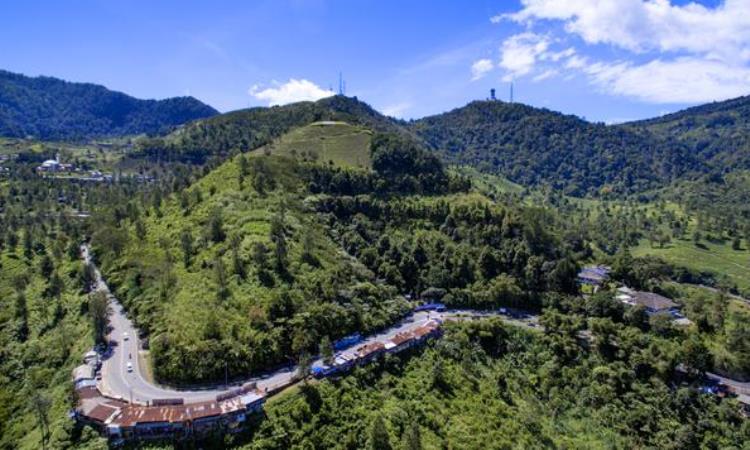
(125, 336)
(130, 367)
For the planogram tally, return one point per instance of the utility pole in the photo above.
(511, 92)
(226, 374)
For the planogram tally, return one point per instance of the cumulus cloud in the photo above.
(639, 25)
(396, 110)
(520, 53)
(684, 80)
(672, 53)
(292, 91)
(480, 68)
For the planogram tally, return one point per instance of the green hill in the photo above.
(52, 109)
(336, 142)
(717, 133)
(249, 129)
(532, 146)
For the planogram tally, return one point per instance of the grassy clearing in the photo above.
(338, 142)
(715, 257)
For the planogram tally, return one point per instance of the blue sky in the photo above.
(606, 60)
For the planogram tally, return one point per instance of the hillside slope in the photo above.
(717, 133)
(52, 109)
(532, 146)
(328, 142)
(248, 129)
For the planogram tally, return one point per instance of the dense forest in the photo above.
(52, 109)
(248, 129)
(489, 385)
(239, 254)
(717, 133)
(532, 147)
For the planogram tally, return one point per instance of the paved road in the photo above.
(133, 386)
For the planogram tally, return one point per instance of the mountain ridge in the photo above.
(50, 108)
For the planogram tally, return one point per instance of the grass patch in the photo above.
(714, 257)
(336, 142)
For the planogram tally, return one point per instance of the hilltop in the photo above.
(717, 133)
(337, 143)
(52, 109)
(249, 129)
(533, 146)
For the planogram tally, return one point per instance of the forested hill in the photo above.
(533, 146)
(717, 133)
(52, 109)
(251, 128)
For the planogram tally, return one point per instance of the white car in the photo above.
(125, 336)
(130, 367)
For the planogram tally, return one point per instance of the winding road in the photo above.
(134, 386)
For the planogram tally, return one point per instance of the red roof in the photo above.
(400, 338)
(101, 413)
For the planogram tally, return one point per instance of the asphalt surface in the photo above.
(133, 386)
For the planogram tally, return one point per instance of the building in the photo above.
(654, 303)
(54, 165)
(594, 276)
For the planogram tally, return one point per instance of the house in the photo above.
(54, 165)
(654, 303)
(594, 276)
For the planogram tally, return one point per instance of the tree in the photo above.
(216, 226)
(695, 355)
(278, 236)
(378, 436)
(304, 366)
(22, 315)
(221, 279)
(186, 243)
(99, 313)
(326, 350)
(46, 267)
(238, 266)
(413, 437)
(41, 405)
(140, 229)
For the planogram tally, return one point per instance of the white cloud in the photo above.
(684, 80)
(639, 25)
(292, 91)
(668, 53)
(480, 68)
(520, 53)
(549, 73)
(396, 110)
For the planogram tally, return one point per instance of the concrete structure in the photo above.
(654, 303)
(594, 276)
(54, 165)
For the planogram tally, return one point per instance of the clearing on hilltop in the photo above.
(334, 142)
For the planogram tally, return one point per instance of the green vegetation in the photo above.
(52, 109)
(715, 132)
(45, 321)
(534, 147)
(244, 246)
(249, 129)
(269, 233)
(327, 142)
(717, 257)
(487, 384)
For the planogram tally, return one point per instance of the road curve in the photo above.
(133, 386)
